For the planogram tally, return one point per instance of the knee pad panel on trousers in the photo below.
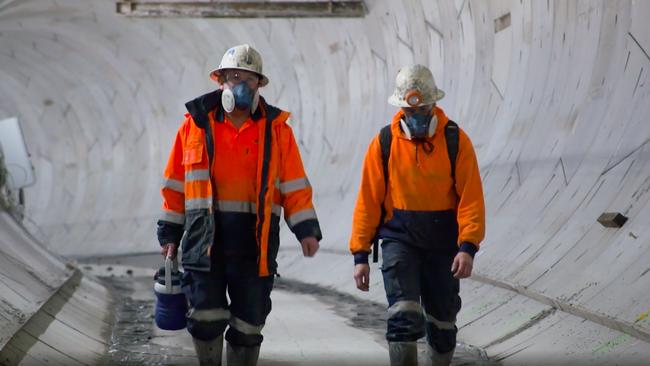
(441, 340)
(239, 339)
(206, 330)
(207, 324)
(244, 334)
(405, 322)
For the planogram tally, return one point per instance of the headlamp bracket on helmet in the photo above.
(413, 98)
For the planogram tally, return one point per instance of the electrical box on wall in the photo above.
(612, 219)
(16, 157)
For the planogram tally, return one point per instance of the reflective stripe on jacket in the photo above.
(423, 207)
(188, 198)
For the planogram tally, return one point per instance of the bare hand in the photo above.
(362, 276)
(462, 266)
(165, 250)
(309, 246)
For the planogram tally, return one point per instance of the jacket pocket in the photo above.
(390, 269)
(193, 155)
(199, 235)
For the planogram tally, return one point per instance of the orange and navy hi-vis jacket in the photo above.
(190, 194)
(423, 207)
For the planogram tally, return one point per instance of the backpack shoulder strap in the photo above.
(385, 140)
(452, 138)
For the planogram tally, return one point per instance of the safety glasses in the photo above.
(421, 110)
(234, 77)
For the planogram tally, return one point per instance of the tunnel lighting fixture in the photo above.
(242, 9)
(612, 219)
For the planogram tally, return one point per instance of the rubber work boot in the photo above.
(209, 352)
(242, 356)
(403, 353)
(440, 359)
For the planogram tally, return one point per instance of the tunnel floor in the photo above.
(309, 325)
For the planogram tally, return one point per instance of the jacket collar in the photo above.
(200, 107)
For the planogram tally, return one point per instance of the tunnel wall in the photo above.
(30, 276)
(553, 95)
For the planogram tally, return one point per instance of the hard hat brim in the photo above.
(214, 75)
(399, 102)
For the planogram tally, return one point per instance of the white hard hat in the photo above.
(414, 87)
(242, 57)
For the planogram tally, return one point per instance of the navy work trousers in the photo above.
(250, 301)
(422, 295)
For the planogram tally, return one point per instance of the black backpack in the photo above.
(385, 140)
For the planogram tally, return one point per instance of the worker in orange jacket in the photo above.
(421, 194)
(234, 166)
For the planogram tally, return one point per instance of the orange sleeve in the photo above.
(172, 216)
(295, 189)
(471, 206)
(172, 190)
(372, 192)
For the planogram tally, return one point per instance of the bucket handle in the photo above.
(171, 265)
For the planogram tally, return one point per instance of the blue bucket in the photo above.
(171, 305)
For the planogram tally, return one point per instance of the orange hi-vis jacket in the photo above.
(234, 171)
(423, 207)
(190, 193)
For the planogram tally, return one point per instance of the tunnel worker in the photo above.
(421, 194)
(234, 165)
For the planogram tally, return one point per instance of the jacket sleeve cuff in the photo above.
(306, 229)
(169, 232)
(361, 258)
(468, 248)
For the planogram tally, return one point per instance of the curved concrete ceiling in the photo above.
(554, 95)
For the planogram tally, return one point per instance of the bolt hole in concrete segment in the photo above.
(309, 325)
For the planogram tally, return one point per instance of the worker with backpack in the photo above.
(421, 194)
